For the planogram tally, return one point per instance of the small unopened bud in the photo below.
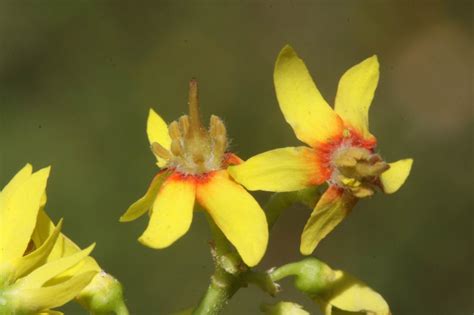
(283, 308)
(311, 275)
(104, 294)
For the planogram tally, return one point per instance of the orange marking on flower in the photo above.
(321, 173)
(231, 159)
(358, 140)
(333, 193)
(324, 151)
(198, 179)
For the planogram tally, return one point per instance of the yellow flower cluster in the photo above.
(196, 167)
(40, 268)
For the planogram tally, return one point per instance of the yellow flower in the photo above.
(194, 162)
(29, 282)
(104, 293)
(341, 152)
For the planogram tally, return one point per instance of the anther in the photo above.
(218, 134)
(362, 192)
(174, 131)
(160, 151)
(217, 127)
(369, 170)
(184, 124)
(176, 147)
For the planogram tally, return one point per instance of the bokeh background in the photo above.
(77, 79)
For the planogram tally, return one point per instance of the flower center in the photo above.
(194, 150)
(356, 169)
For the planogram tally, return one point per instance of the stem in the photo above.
(225, 280)
(284, 271)
(230, 272)
(223, 286)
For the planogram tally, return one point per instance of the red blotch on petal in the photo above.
(324, 151)
(358, 140)
(197, 179)
(231, 159)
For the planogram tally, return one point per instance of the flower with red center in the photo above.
(342, 150)
(194, 165)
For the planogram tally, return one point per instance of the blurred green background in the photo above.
(77, 79)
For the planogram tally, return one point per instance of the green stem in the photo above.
(223, 286)
(225, 280)
(230, 272)
(287, 270)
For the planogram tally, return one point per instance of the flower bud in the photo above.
(104, 294)
(332, 288)
(283, 308)
(311, 275)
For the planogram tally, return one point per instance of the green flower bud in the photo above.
(332, 288)
(103, 295)
(283, 308)
(311, 275)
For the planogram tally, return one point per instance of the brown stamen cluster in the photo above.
(194, 150)
(357, 169)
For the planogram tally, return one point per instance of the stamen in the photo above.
(362, 192)
(160, 151)
(184, 124)
(368, 170)
(357, 169)
(218, 134)
(174, 131)
(195, 150)
(176, 147)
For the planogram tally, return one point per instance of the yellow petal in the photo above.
(14, 183)
(330, 210)
(38, 299)
(142, 205)
(157, 131)
(172, 212)
(50, 312)
(48, 271)
(393, 178)
(27, 263)
(355, 93)
(312, 119)
(237, 215)
(43, 230)
(350, 294)
(63, 246)
(18, 215)
(283, 308)
(286, 169)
